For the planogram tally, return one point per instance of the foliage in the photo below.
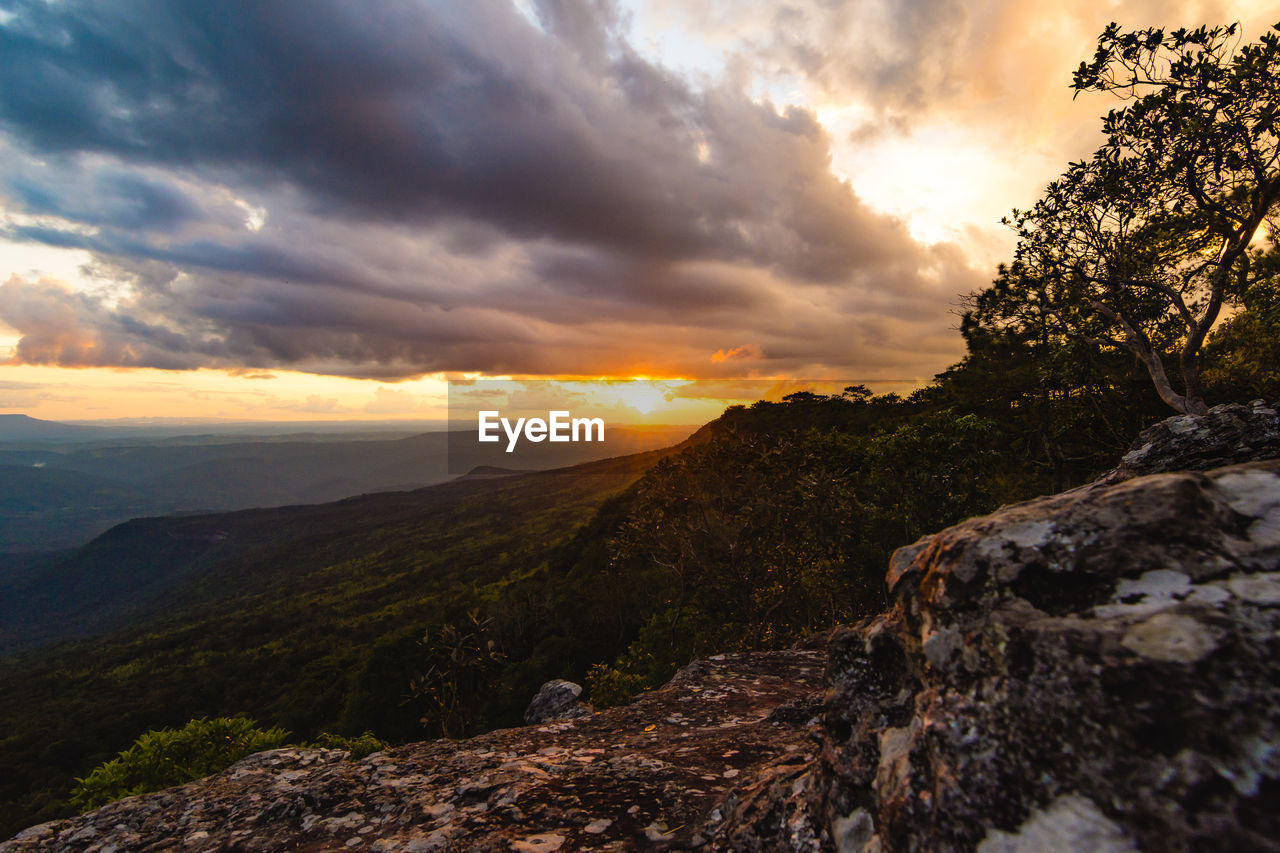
(758, 538)
(1064, 409)
(358, 747)
(308, 617)
(166, 757)
(460, 661)
(1140, 246)
(1242, 356)
(635, 671)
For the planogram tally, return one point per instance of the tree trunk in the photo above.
(1191, 403)
(1190, 368)
(1139, 344)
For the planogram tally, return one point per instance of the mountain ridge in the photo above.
(52, 510)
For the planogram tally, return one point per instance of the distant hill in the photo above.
(116, 578)
(60, 495)
(49, 509)
(492, 471)
(26, 428)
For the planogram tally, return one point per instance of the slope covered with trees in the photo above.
(285, 615)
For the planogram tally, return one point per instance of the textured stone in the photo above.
(1071, 824)
(556, 700)
(1227, 434)
(646, 776)
(1096, 670)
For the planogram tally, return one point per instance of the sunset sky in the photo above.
(317, 210)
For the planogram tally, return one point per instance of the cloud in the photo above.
(945, 112)
(906, 61)
(72, 329)
(388, 190)
(18, 394)
(391, 401)
(746, 351)
(316, 403)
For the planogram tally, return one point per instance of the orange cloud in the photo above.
(746, 351)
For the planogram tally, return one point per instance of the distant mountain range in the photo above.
(26, 428)
(60, 494)
(19, 429)
(306, 615)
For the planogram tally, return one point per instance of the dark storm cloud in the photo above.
(259, 259)
(112, 198)
(377, 107)
(445, 186)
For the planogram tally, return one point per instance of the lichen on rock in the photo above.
(656, 774)
(1114, 679)
(1227, 434)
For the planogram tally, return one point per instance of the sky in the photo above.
(311, 209)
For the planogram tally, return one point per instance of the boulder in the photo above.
(1226, 435)
(556, 700)
(1094, 671)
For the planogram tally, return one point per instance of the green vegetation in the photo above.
(306, 618)
(459, 661)
(357, 747)
(166, 757)
(1243, 355)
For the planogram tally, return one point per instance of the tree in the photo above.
(1142, 245)
(461, 662)
(164, 757)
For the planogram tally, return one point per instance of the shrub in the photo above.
(359, 746)
(166, 757)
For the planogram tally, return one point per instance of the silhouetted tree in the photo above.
(1142, 245)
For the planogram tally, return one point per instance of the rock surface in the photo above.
(1098, 670)
(1226, 435)
(654, 775)
(556, 700)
